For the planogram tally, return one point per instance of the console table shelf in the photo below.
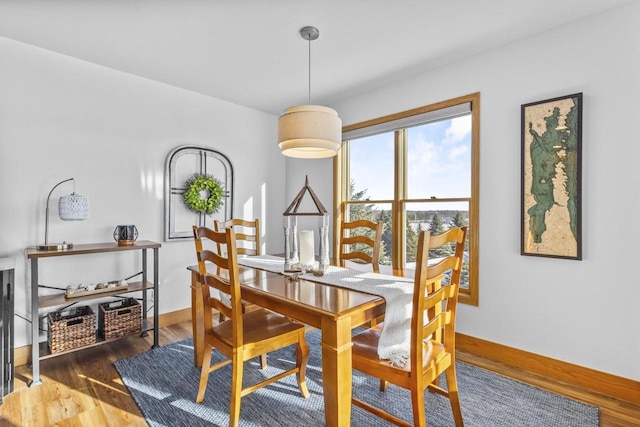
(46, 354)
(41, 350)
(54, 300)
(93, 248)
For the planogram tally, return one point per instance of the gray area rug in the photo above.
(164, 382)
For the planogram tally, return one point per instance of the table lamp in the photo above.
(72, 207)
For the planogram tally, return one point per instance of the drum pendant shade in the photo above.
(309, 131)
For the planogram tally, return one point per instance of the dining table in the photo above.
(334, 310)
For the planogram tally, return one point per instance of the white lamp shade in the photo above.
(73, 207)
(309, 132)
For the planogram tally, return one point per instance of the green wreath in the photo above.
(203, 194)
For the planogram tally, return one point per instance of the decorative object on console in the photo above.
(297, 258)
(117, 319)
(309, 131)
(72, 207)
(125, 235)
(100, 288)
(71, 328)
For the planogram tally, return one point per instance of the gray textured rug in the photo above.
(163, 382)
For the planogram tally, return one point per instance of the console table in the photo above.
(40, 350)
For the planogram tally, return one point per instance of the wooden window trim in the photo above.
(341, 179)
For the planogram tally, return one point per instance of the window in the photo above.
(415, 170)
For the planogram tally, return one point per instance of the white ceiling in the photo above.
(250, 52)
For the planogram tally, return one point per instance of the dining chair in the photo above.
(247, 243)
(433, 318)
(247, 234)
(243, 335)
(360, 242)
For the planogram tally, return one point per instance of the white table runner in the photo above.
(395, 338)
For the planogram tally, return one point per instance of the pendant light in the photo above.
(309, 131)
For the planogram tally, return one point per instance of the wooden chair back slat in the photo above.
(247, 234)
(368, 239)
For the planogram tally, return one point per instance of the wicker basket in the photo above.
(71, 328)
(119, 318)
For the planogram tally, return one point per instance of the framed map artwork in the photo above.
(552, 178)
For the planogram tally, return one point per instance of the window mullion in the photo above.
(341, 194)
(398, 216)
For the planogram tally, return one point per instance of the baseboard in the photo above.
(600, 382)
(22, 355)
(174, 317)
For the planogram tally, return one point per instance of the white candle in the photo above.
(307, 251)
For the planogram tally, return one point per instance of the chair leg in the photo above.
(236, 390)
(454, 399)
(383, 385)
(204, 373)
(302, 357)
(417, 404)
(263, 361)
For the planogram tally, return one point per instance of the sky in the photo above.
(438, 155)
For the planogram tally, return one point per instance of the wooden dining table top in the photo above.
(267, 288)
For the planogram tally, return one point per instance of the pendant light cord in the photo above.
(309, 99)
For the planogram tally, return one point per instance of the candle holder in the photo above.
(299, 247)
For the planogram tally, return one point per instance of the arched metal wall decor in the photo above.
(181, 165)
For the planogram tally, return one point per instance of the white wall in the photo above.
(61, 117)
(584, 312)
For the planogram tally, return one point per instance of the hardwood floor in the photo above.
(84, 389)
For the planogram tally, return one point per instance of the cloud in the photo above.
(426, 159)
(438, 160)
(460, 127)
(458, 151)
